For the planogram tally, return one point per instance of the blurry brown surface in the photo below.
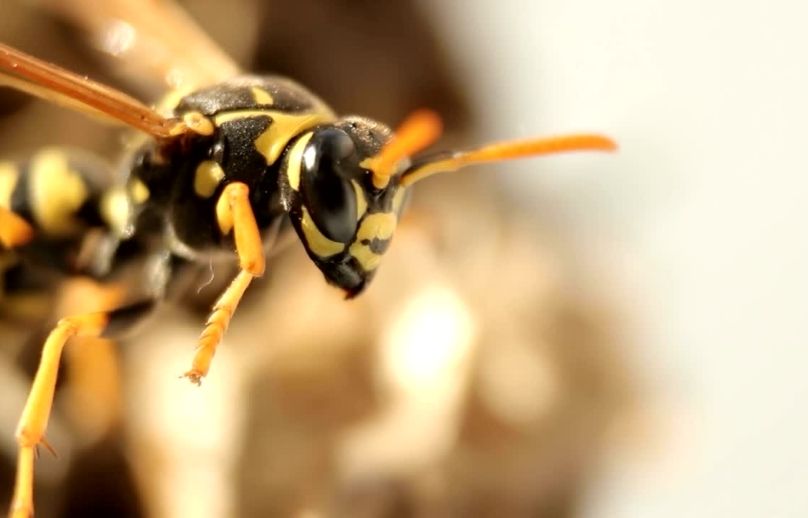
(510, 426)
(378, 59)
(504, 414)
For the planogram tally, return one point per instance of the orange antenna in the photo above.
(507, 151)
(54, 84)
(418, 131)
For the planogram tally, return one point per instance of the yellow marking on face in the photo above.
(398, 200)
(367, 258)
(284, 127)
(379, 225)
(198, 123)
(208, 176)
(361, 201)
(8, 181)
(318, 243)
(261, 96)
(138, 190)
(296, 161)
(115, 210)
(56, 192)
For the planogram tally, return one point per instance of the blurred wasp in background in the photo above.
(225, 162)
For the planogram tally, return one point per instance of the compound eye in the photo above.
(328, 163)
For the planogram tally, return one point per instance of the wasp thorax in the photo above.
(343, 220)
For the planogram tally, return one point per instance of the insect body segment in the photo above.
(51, 203)
(58, 193)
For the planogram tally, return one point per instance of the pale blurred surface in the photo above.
(698, 225)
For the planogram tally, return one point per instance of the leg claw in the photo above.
(194, 376)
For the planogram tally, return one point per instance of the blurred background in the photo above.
(589, 335)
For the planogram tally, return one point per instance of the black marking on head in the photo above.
(377, 246)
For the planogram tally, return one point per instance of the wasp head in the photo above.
(344, 185)
(344, 219)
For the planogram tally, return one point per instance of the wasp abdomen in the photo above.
(61, 193)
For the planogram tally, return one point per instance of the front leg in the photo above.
(233, 212)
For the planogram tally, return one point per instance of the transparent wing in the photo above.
(152, 38)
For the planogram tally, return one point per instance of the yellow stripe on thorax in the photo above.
(283, 128)
(261, 96)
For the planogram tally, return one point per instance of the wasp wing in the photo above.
(152, 39)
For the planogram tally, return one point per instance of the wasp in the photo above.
(221, 167)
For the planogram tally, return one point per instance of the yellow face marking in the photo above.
(261, 96)
(398, 200)
(56, 192)
(115, 209)
(284, 127)
(296, 161)
(138, 190)
(318, 243)
(379, 225)
(365, 256)
(208, 176)
(8, 181)
(361, 201)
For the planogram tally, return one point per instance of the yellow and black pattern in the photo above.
(60, 193)
(343, 220)
(56, 191)
(50, 204)
(249, 122)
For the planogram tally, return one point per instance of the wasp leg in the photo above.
(233, 212)
(35, 415)
(14, 230)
